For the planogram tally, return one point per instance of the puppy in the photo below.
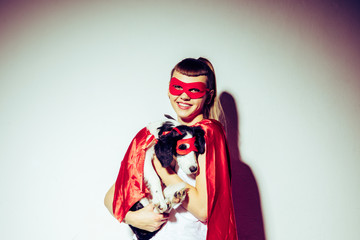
(173, 145)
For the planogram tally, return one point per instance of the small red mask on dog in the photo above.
(193, 90)
(185, 146)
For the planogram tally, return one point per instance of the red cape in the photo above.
(130, 186)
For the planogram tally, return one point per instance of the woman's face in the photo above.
(189, 110)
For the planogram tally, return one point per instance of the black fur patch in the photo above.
(165, 148)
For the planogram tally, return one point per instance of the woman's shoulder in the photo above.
(210, 123)
(141, 135)
(211, 126)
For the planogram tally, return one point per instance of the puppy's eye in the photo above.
(183, 146)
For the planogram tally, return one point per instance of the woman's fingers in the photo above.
(150, 206)
(158, 216)
(149, 220)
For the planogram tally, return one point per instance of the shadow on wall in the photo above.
(245, 192)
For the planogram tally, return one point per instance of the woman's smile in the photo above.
(184, 106)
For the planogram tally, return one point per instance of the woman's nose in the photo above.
(184, 96)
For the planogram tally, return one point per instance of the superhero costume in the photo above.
(130, 186)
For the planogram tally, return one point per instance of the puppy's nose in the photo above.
(193, 169)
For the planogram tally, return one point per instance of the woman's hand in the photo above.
(145, 218)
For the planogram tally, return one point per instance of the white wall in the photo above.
(79, 78)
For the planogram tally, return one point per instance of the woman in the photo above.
(207, 212)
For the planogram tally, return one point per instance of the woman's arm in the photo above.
(144, 218)
(109, 197)
(196, 202)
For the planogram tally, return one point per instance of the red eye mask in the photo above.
(185, 146)
(193, 90)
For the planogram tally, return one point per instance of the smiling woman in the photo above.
(206, 213)
(79, 78)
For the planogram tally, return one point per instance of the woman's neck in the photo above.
(190, 122)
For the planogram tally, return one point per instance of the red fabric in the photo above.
(177, 130)
(130, 187)
(221, 219)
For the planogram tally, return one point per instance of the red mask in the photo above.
(193, 90)
(185, 146)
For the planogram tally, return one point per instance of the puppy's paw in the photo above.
(160, 205)
(179, 196)
(175, 194)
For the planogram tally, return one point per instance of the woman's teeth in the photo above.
(184, 105)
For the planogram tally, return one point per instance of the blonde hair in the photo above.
(202, 67)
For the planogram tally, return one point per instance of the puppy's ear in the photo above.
(164, 149)
(165, 127)
(199, 139)
(169, 117)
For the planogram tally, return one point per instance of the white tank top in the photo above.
(182, 225)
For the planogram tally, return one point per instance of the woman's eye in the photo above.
(177, 87)
(194, 90)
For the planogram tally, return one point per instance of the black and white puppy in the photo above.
(175, 144)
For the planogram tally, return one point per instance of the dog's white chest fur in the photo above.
(172, 195)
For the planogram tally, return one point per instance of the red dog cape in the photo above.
(130, 186)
